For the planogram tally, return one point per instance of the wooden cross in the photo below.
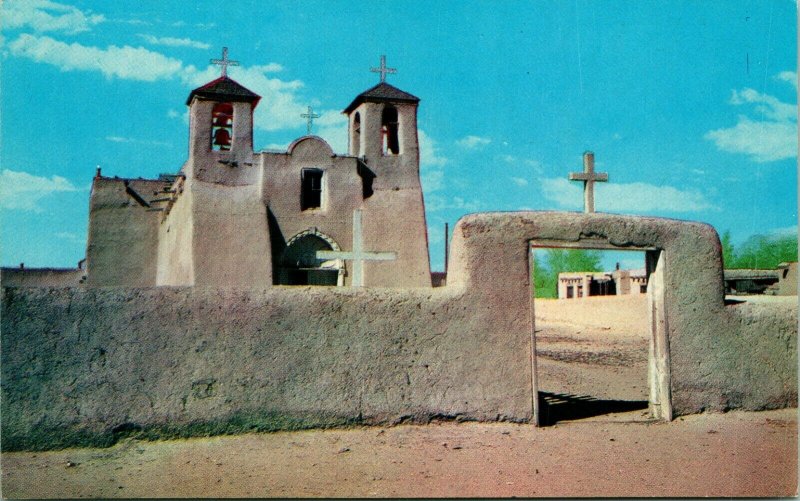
(383, 70)
(589, 177)
(309, 116)
(358, 255)
(225, 62)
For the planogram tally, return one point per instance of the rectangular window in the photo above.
(311, 189)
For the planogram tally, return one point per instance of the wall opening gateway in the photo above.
(599, 345)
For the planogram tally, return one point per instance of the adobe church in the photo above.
(233, 217)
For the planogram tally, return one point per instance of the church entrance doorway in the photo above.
(596, 352)
(299, 264)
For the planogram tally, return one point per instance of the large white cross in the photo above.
(589, 177)
(383, 70)
(358, 255)
(225, 62)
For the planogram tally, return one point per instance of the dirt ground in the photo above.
(601, 442)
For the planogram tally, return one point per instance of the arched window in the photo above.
(389, 126)
(355, 138)
(221, 126)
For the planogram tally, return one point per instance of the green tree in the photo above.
(765, 252)
(549, 263)
(728, 251)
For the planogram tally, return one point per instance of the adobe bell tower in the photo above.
(382, 128)
(220, 123)
(382, 133)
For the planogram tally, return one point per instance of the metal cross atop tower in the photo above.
(589, 177)
(225, 62)
(309, 116)
(358, 255)
(383, 70)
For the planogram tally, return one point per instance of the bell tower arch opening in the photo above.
(355, 135)
(390, 126)
(383, 125)
(221, 126)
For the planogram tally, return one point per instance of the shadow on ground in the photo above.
(556, 407)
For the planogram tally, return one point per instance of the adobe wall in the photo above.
(230, 236)
(83, 365)
(122, 240)
(41, 277)
(175, 256)
(78, 364)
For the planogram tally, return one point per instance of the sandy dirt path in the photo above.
(734, 454)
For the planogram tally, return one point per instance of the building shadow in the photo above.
(557, 407)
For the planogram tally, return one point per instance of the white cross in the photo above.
(225, 62)
(310, 116)
(383, 70)
(589, 177)
(358, 255)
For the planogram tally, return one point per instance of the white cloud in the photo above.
(22, 191)
(762, 141)
(431, 164)
(121, 139)
(519, 181)
(432, 180)
(472, 142)
(70, 237)
(436, 203)
(788, 76)
(44, 15)
(631, 197)
(785, 231)
(174, 42)
(771, 137)
(281, 108)
(770, 107)
(428, 151)
(122, 62)
(332, 127)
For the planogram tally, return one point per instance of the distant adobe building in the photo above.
(587, 283)
(233, 217)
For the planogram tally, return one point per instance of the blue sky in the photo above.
(689, 106)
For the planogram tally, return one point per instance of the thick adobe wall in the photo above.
(85, 366)
(230, 236)
(42, 277)
(122, 244)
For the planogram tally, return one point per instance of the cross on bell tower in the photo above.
(589, 177)
(225, 62)
(383, 69)
(310, 116)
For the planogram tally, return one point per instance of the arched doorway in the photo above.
(299, 264)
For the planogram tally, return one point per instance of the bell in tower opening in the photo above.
(389, 126)
(221, 126)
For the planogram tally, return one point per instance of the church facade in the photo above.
(233, 217)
